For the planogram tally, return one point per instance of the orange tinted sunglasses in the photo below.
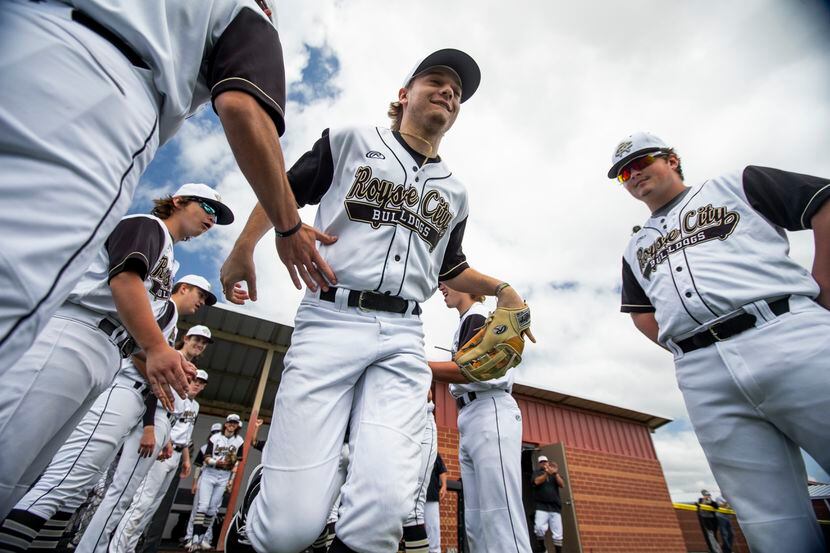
(637, 164)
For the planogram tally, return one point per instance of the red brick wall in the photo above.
(448, 448)
(693, 535)
(622, 504)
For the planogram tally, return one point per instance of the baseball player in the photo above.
(708, 277)
(198, 464)
(490, 442)
(399, 215)
(132, 72)
(114, 307)
(414, 527)
(224, 450)
(117, 412)
(130, 506)
(546, 482)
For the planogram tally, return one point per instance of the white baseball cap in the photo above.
(201, 375)
(541, 459)
(224, 215)
(200, 330)
(234, 418)
(635, 145)
(199, 282)
(216, 427)
(459, 62)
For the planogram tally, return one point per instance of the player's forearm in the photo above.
(539, 480)
(471, 281)
(255, 144)
(447, 371)
(255, 228)
(821, 262)
(135, 312)
(559, 481)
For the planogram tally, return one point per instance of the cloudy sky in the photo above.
(727, 83)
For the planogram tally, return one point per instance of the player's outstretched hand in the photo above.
(238, 267)
(166, 452)
(299, 254)
(167, 368)
(185, 470)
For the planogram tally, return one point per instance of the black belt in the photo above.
(82, 18)
(463, 401)
(178, 448)
(730, 327)
(373, 301)
(142, 387)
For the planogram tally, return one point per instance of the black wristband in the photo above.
(289, 232)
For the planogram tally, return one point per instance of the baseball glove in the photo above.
(497, 347)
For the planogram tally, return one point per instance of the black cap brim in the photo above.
(224, 216)
(460, 62)
(615, 169)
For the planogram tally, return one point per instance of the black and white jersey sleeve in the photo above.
(248, 57)
(469, 327)
(788, 200)
(455, 262)
(634, 299)
(134, 246)
(311, 176)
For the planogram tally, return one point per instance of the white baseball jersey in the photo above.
(219, 446)
(399, 219)
(187, 411)
(198, 50)
(721, 245)
(141, 244)
(471, 321)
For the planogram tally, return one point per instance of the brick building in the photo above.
(616, 498)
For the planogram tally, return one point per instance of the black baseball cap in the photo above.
(462, 64)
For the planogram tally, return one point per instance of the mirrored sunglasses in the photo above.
(637, 164)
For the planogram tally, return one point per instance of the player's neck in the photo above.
(174, 228)
(464, 306)
(655, 202)
(420, 140)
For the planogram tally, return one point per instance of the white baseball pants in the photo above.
(48, 391)
(343, 361)
(71, 159)
(432, 520)
(544, 520)
(128, 477)
(189, 534)
(83, 458)
(490, 447)
(146, 500)
(429, 451)
(753, 400)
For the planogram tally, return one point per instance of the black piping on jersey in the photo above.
(503, 481)
(395, 232)
(674, 282)
(409, 243)
(87, 241)
(686, 257)
(80, 453)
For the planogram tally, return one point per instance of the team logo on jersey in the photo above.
(162, 279)
(372, 154)
(379, 202)
(697, 226)
(623, 148)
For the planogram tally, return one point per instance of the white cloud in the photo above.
(562, 82)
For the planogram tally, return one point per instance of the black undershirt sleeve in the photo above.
(149, 417)
(134, 246)
(786, 199)
(209, 450)
(469, 327)
(310, 177)
(248, 57)
(454, 262)
(440, 467)
(634, 299)
(239, 452)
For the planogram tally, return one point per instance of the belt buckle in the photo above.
(360, 301)
(714, 333)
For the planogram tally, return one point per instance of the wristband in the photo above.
(289, 232)
(501, 287)
(211, 462)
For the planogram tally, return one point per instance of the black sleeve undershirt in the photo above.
(134, 246)
(248, 57)
(634, 299)
(239, 452)
(310, 177)
(440, 467)
(149, 417)
(469, 327)
(454, 262)
(786, 199)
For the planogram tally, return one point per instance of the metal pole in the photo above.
(249, 436)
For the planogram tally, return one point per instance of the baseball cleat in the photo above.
(236, 541)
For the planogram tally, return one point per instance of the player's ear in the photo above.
(403, 95)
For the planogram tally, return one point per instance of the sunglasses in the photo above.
(637, 164)
(209, 209)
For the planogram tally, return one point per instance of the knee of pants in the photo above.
(286, 528)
